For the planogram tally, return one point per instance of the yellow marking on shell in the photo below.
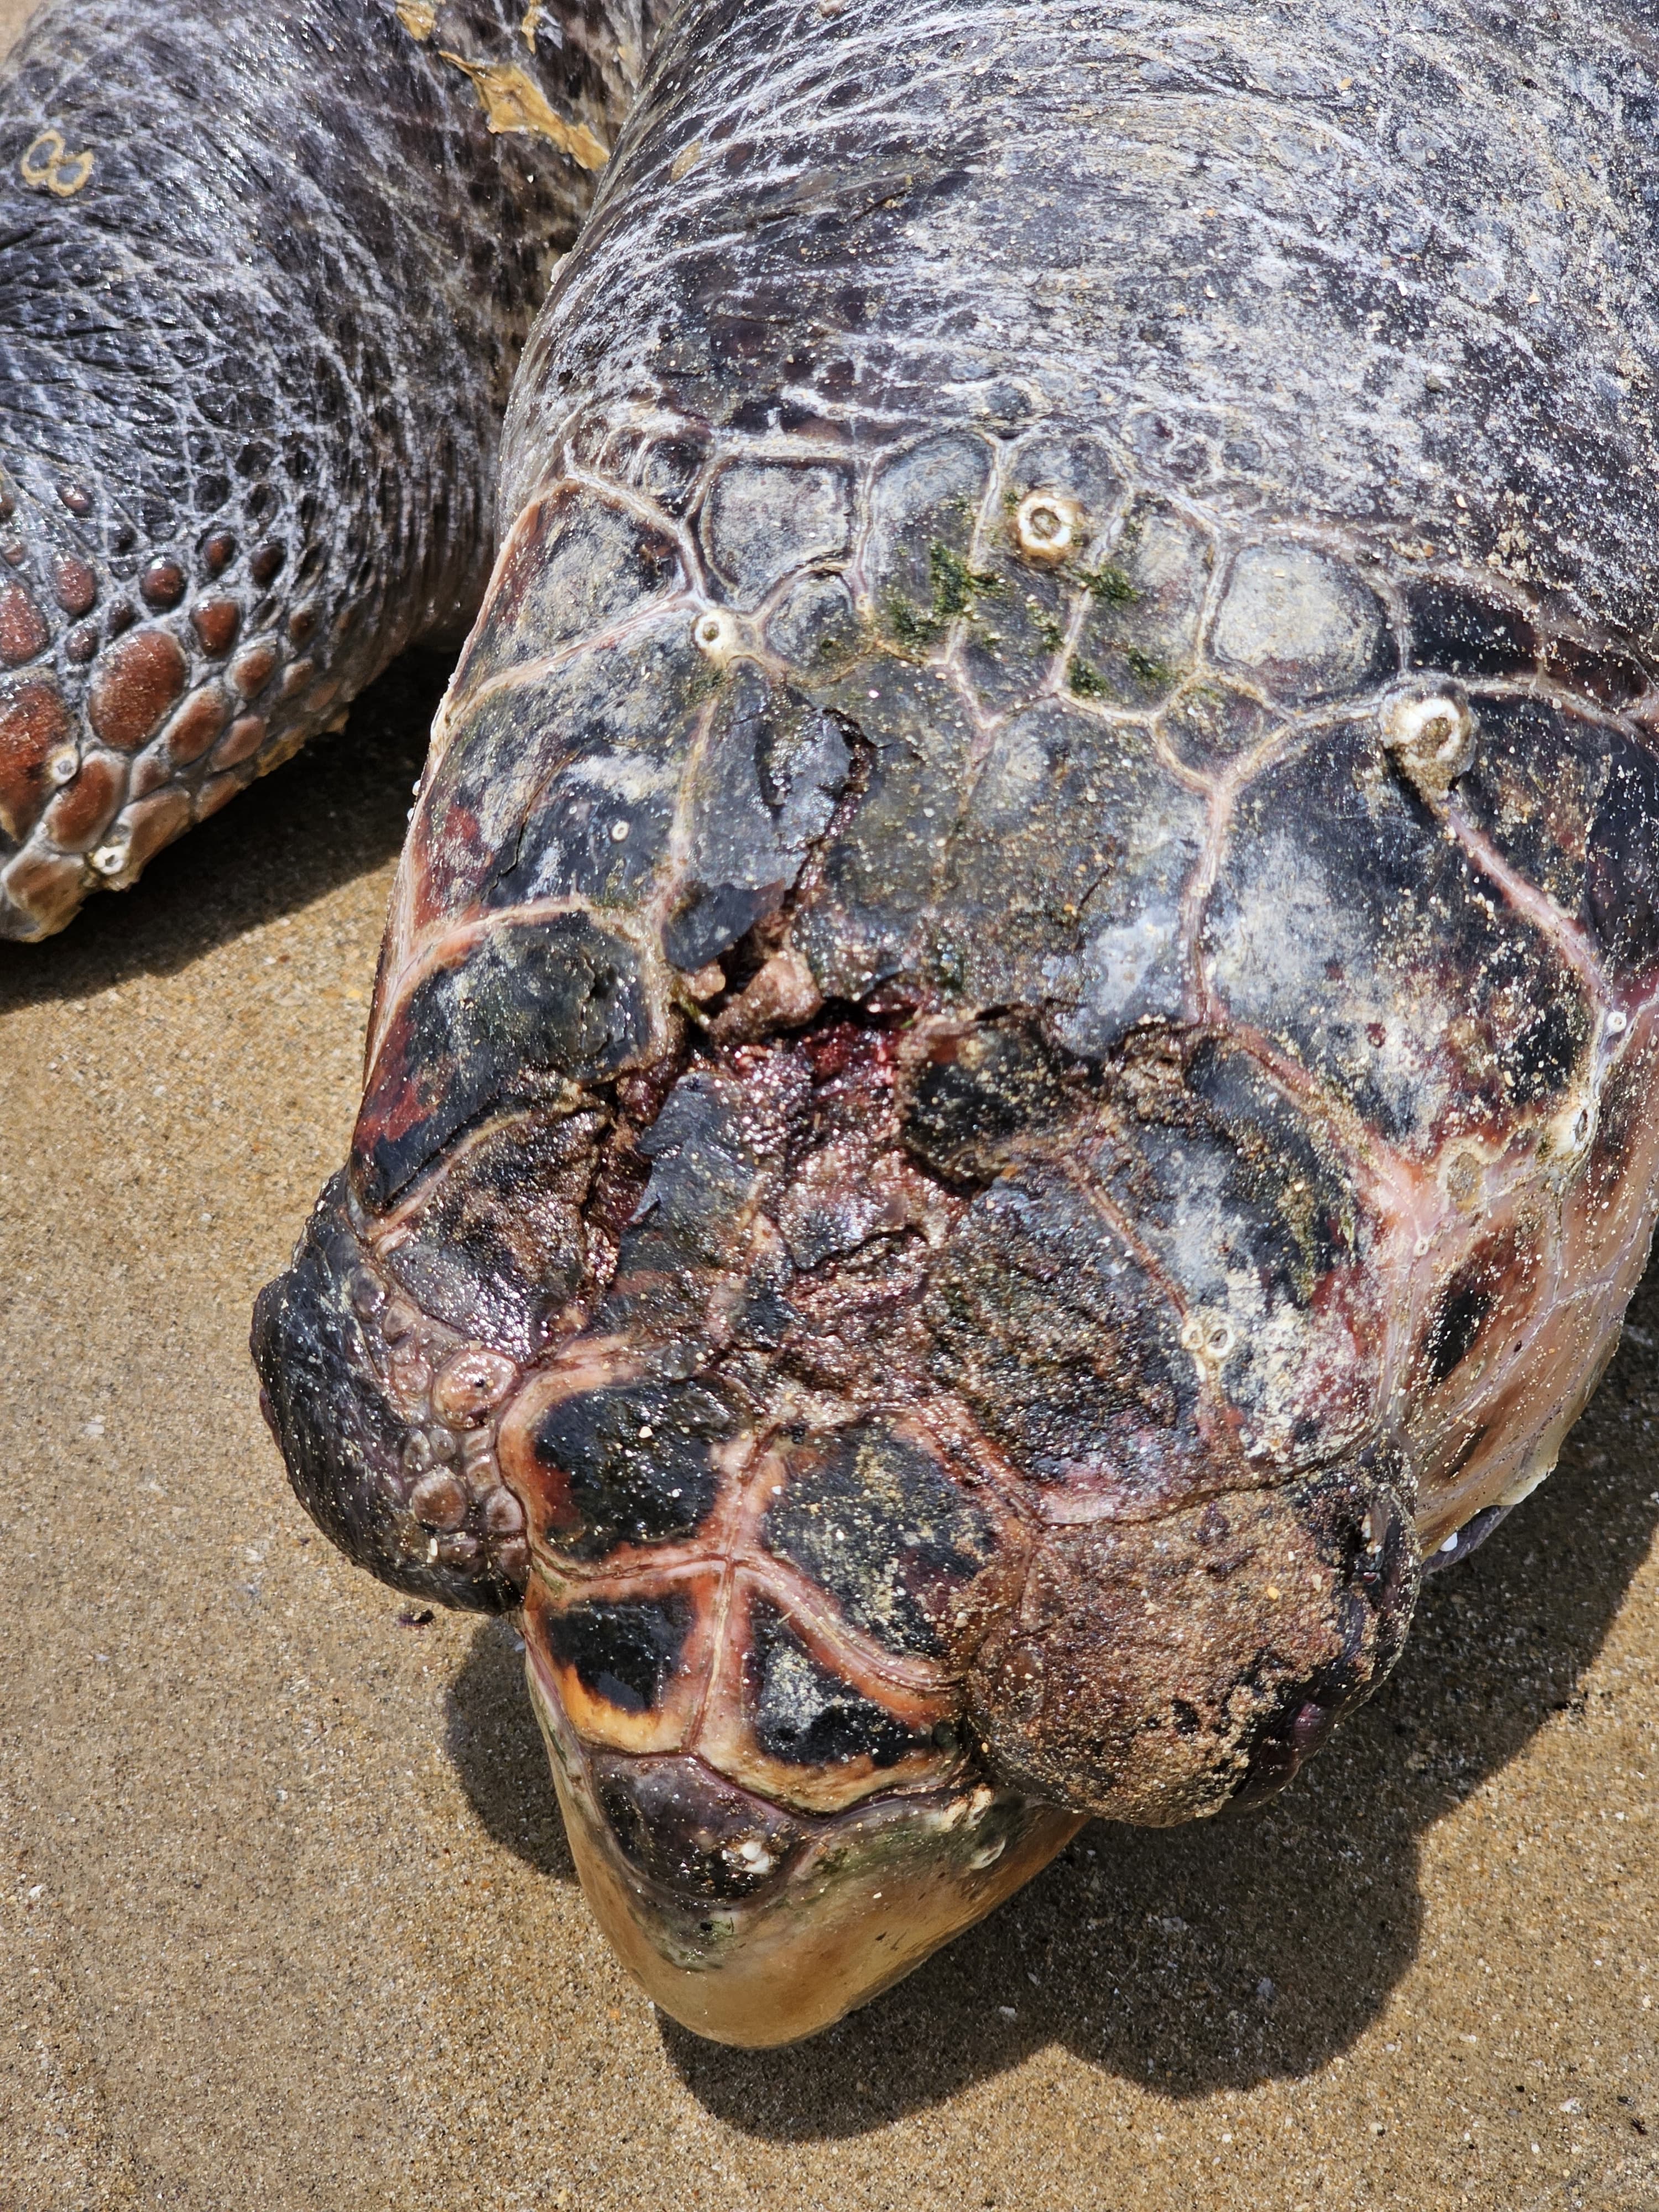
(685, 161)
(531, 23)
(512, 102)
(48, 166)
(419, 18)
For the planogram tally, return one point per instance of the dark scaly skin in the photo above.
(1015, 1054)
(264, 276)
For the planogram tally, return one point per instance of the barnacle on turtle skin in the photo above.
(1014, 1062)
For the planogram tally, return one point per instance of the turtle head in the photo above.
(889, 1461)
(755, 1924)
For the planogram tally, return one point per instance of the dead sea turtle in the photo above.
(1012, 1064)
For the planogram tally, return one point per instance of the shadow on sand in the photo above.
(1214, 1956)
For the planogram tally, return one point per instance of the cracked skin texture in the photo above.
(265, 277)
(1015, 1050)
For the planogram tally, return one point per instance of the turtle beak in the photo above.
(754, 1926)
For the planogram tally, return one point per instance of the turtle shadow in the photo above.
(496, 1747)
(335, 812)
(1211, 1957)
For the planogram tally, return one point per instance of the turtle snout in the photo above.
(415, 1500)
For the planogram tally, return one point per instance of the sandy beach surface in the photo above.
(286, 1918)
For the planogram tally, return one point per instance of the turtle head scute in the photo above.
(1161, 1671)
(368, 1476)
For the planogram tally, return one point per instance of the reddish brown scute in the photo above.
(35, 724)
(139, 678)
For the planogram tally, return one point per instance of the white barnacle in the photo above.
(715, 633)
(1429, 732)
(63, 766)
(110, 859)
(1046, 526)
(1566, 1136)
(1208, 1336)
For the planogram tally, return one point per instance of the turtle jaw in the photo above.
(852, 1904)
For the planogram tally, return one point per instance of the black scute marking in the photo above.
(976, 1090)
(1280, 1201)
(707, 1147)
(1623, 861)
(1535, 787)
(628, 1487)
(1052, 1331)
(1067, 841)
(805, 1716)
(559, 996)
(1345, 923)
(764, 787)
(879, 1524)
(1452, 1335)
(623, 1652)
(1454, 629)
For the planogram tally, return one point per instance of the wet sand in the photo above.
(288, 1916)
